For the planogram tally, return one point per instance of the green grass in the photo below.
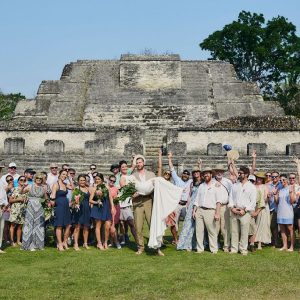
(120, 274)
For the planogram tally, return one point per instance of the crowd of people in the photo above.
(242, 212)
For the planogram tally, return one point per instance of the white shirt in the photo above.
(224, 188)
(51, 179)
(3, 196)
(243, 196)
(207, 196)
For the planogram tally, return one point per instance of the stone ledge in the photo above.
(138, 57)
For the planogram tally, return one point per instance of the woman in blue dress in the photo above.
(81, 213)
(62, 215)
(285, 198)
(102, 210)
(187, 240)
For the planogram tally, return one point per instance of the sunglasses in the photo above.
(66, 170)
(12, 167)
(292, 178)
(268, 175)
(54, 168)
(113, 181)
(9, 180)
(93, 168)
(169, 174)
(40, 178)
(274, 177)
(72, 173)
(21, 179)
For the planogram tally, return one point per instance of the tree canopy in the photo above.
(266, 52)
(8, 103)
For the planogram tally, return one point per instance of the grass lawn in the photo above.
(120, 274)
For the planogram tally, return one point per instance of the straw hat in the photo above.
(219, 168)
(233, 154)
(260, 174)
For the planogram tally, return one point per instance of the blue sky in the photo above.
(39, 37)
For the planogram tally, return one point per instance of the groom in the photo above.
(142, 204)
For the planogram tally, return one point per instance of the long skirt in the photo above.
(34, 226)
(187, 239)
(263, 232)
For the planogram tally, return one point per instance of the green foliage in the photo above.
(267, 53)
(8, 103)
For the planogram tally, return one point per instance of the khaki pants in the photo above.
(224, 225)
(240, 227)
(142, 207)
(206, 218)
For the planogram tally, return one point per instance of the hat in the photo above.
(219, 167)
(251, 177)
(196, 169)
(114, 166)
(233, 154)
(137, 157)
(186, 171)
(30, 171)
(206, 169)
(53, 165)
(260, 174)
(12, 165)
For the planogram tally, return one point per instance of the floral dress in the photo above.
(18, 209)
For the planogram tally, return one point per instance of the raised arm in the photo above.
(159, 167)
(297, 161)
(253, 167)
(132, 163)
(200, 162)
(175, 177)
(232, 168)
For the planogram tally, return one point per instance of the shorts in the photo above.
(297, 212)
(126, 213)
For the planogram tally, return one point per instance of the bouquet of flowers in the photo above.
(48, 209)
(125, 192)
(77, 198)
(101, 187)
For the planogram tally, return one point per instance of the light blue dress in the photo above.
(285, 211)
(187, 238)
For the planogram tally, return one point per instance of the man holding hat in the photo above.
(224, 187)
(184, 182)
(206, 212)
(242, 202)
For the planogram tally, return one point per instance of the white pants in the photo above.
(224, 225)
(240, 226)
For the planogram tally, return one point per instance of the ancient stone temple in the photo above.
(103, 110)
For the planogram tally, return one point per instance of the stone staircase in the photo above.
(81, 163)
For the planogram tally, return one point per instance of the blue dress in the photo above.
(187, 238)
(83, 215)
(285, 211)
(101, 213)
(62, 215)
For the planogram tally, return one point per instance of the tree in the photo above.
(267, 53)
(8, 104)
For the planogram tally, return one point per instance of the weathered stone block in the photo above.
(293, 149)
(215, 149)
(177, 148)
(261, 148)
(133, 148)
(14, 146)
(54, 146)
(94, 147)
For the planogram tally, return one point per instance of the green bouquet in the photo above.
(126, 191)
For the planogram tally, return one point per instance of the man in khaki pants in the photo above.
(206, 212)
(142, 205)
(224, 187)
(242, 201)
